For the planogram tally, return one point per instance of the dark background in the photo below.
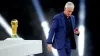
(30, 27)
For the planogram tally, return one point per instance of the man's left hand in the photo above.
(76, 31)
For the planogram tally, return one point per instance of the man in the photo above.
(63, 30)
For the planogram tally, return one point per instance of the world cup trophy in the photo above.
(14, 26)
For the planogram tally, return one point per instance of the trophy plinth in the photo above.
(14, 39)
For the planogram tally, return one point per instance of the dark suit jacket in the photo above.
(58, 31)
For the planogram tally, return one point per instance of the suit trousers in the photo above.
(66, 50)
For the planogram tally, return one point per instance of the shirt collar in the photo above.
(65, 15)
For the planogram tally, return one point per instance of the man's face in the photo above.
(68, 11)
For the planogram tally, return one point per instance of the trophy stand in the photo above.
(14, 26)
(18, 46)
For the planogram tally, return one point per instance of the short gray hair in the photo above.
(69, 5)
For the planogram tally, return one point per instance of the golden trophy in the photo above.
(14, 26)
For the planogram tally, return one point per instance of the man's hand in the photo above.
(49, 47)
(76, 31)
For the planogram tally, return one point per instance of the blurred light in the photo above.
(38, 10)
(81, 37)
(45, 28)
(55, 52)
(81, 40)
(44, 23)
(6, 26)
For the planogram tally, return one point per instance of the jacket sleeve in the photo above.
(52, 30)
(75, 25)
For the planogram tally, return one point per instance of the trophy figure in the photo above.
(14, 26)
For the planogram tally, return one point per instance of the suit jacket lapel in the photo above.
(63, 20)
(72, 22)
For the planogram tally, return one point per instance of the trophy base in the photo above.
(14, 39)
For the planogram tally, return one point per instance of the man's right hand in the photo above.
(49, 47)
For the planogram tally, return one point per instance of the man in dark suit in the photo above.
(63, 30)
